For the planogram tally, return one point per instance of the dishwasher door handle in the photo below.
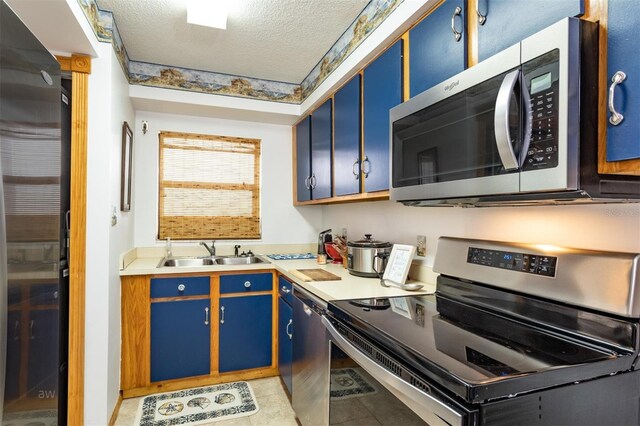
(424, 405)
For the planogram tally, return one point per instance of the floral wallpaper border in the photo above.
(165, 76)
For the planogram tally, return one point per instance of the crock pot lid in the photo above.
(368, 242)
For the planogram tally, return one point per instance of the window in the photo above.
(209, 187)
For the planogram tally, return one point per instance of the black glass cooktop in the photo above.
(476, 354)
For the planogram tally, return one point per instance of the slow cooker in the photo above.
(367, 257)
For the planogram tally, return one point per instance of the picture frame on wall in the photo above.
(127, 165)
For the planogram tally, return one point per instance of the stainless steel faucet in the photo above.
(168, 253)
(236, 248)
(212, 249)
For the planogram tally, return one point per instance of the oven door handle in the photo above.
(501, 121)
(427, 407)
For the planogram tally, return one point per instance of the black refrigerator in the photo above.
(34, 200)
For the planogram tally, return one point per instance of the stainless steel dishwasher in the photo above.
(310, 383)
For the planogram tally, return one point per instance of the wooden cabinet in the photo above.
(438, 46)
(623, 64)
(321, 138)
(303, 159)
(180, 339)
(502, 23)
(245, 332)
(347, 140)
(382, 90)
(175, 336)
(285, 332)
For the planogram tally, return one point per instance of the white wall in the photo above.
(603, 227)
(109, 106)
(281, 222)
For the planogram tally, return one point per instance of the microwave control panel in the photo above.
(541, 76)
(520, 262)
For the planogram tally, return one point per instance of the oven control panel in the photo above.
(520, 262)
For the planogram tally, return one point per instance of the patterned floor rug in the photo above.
(349, 383)
(198, 405)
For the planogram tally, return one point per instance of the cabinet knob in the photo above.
(181, 287)
(247, 284)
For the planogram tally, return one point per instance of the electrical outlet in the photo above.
(422, 246)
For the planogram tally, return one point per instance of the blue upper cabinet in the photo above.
(438, 46)
(321, 136)
(346, 143)
(303, 159)
(506, 22)
(382, 90)
(623, 134)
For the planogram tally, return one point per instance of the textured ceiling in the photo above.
(279, 40)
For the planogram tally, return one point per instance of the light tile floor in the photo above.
(275, 409)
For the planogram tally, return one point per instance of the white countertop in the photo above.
(349, 287)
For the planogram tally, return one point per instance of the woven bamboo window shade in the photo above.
(209, 187)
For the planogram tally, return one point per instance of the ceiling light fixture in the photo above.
(209, 13)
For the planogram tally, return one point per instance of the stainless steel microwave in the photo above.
(517, 128)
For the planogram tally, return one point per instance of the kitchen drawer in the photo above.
(172, 287)
(245, 283)
(285, 288)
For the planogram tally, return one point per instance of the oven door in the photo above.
(362, 391)
(464, 137)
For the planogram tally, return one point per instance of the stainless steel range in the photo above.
(515, 334)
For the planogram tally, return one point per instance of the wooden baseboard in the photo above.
(114, 415)
(173, 385)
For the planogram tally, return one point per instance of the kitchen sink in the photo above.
(248, 260)
(176, 262)
(186, 261)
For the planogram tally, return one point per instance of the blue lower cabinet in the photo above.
(245, 332)
(285, 343)
(180, 339)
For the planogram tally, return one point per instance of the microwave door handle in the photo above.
(501, 121)
(528, 125)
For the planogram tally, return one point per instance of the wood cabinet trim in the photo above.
(75, 63)
(80, 67)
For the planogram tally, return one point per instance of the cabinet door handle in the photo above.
(287, 329)
(457, 12)
(206, 316)
(31, 337)
(366, 170)
(312, 181)
(353, 169)
(616, 118)
(285, 290)
(247, 284)
(306, 182)
(16, 330)
(481, 18)
(221, 314)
